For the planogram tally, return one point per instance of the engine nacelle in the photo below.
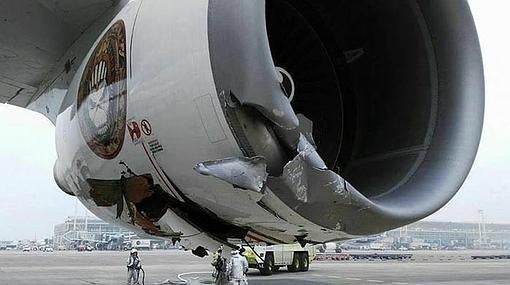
(394, 90)
(274, 120)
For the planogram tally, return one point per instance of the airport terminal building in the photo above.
(85, 229)
(452, 235)
(420, 235)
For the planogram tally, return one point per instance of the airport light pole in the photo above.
(482, 234)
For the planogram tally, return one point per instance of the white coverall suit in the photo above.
(134, 265)
(238, 269)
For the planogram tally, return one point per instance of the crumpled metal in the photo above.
(315, 192)
(245, 173)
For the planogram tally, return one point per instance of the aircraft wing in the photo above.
(34, 36)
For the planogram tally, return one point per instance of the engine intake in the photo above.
(394, 89)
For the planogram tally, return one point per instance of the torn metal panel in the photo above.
(320, 195)
(242, 62)
(246, 173)
(306, 129)
(300, 139)
(310, 154)
(254, 134)
(295, 179)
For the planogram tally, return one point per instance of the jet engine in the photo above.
(368, 113)
(276, 121)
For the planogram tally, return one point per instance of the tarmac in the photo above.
(72, 267)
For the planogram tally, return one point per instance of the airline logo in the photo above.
(102, 96)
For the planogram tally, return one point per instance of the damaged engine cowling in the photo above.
(367, 113)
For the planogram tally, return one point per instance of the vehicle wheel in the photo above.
(304, 262)
(294, 267)
(268, 265)
(276, 269)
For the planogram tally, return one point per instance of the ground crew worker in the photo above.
(238, 269)
(133, 266)
(220, 267)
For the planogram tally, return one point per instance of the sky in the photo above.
(31, 203)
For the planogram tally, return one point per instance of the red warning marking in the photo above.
(134, 131)
(146, 127)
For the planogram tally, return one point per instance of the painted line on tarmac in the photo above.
(399, 283)
(375, 281)
(353, 278)
(189, 273)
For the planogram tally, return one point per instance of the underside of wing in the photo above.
(34, 36)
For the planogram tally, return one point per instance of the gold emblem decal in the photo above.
(102, 96)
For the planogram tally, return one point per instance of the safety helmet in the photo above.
(134, 250)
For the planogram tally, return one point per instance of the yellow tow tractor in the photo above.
(269, 259)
